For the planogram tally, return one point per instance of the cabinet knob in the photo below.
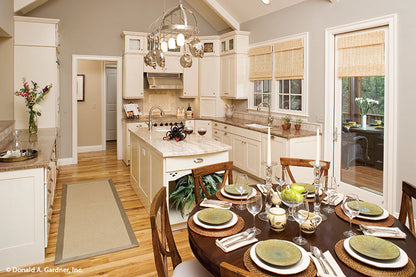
(225, 134)
(49, 191)
(215, 132)
(198, 160)
(225, 127)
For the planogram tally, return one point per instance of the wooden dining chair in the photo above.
(164, 246)
(229, 270)
(199, 172)
(406, 207)
(288, 162)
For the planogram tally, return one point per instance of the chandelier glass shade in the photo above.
(176, 28)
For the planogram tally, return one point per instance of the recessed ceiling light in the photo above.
(267, 2)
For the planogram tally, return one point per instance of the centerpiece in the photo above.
(365, 104)
(32, 98)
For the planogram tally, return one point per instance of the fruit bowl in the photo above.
(292, 196)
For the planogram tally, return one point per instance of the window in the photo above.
(262, 92)
(290, 95)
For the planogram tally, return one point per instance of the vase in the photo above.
(33, 123)
(364, 121)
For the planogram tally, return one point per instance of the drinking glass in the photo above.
(241, 186)
(330, 191)
(254, 205)
(301, 214)
(351, 212)
(202, 131)
(188, 131)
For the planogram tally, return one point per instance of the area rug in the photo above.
(92, 222)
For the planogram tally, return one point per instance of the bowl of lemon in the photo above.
(292, 196)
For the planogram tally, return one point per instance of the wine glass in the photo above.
(330, 191)
(241, 186)
(188, 131)
(254, 205)
(202, 131)
(301, 214)
(351, 207)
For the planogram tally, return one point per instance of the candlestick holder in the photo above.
(317, 185)
(268, 196)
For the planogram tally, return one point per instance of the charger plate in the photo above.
(214, 216)
(278, 252)
(310, 271)
(230, 189)
(389, 221)
(216, 233)
(366, 208)
(237, 197)
(374, 247)
(225, 225)
(370, 270)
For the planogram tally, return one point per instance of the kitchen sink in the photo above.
(255, 125)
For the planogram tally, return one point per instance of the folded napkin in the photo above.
(211, 203)
(334, 201)
(262, 188)
(383, 232)
(333, 263)
(226, 247)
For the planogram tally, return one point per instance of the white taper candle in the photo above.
(269, 148)
(318, 148)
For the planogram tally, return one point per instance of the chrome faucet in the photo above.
(270, 117)
(150, 115)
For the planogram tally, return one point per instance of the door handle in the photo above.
(335, 134)
(198, 160)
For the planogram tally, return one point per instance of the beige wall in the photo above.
(93, 27)
(6, 60)
(90, 111)
(314, 16)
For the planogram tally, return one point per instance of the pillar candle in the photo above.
(269, 148)
(318, 147)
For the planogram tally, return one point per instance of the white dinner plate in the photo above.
(384, 215)
(311, 195)
(224, 193)
(229, 224)
(286, 270)
(399, 262)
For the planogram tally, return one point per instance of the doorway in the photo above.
(360, 119)
(102, 103)
(111, 102)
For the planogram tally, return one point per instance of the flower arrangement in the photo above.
(33, 97)
(365, 104)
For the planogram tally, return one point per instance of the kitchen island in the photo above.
(156, 162)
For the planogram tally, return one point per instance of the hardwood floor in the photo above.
(131, 262)
(363, 176)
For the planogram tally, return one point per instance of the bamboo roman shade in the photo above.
(361, 55)
(261, 63)
(289, 59)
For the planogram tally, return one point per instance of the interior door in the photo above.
(358, 154)
(111, 103)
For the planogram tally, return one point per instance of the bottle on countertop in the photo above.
(189, 112)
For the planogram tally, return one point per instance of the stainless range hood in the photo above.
(163, 81)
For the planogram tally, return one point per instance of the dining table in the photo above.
(327, 234)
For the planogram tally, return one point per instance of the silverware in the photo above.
(218, 203)
(241, 239)
(382, 230)
(242, 234)
(317, 253)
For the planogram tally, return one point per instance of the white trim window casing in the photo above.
(300, 100)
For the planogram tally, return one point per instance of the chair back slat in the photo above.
(288, 162)
(164, 246)
(229, 270)
(199, 172)
(406, 206)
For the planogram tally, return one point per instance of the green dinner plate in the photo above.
(308, 187)
(230, 189)
(213, 216)
(366, 208)
(374, 247)
(278, 252)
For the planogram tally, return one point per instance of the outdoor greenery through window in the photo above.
(290, 95)
(262, 92)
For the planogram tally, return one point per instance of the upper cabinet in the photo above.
(133, 76)
(190, 80)
(234, 81)
(134, 42)
(211, 45)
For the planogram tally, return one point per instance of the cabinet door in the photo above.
(209, 76)
(144, 169)
(227, 138)
(224, 76)
(232, 75)
(239, 152)
(253, 156)
(132, 76)
(190, 80)
(173, 65)
(204, 124)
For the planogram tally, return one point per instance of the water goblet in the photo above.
(202, 131)
(351, 207)
(330, 191)
(241, 186)
(254, 205)
(300, 214)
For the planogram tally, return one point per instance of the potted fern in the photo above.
(286, 122)
(183, 197)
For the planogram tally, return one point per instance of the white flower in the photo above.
(37, 108)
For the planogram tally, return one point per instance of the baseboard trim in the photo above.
(66, 161)
(90, 148)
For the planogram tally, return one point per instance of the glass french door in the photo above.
(358, 140)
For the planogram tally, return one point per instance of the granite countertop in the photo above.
(190, 146)
(238, 122)
(44, 145)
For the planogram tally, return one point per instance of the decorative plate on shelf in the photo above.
(278, 252)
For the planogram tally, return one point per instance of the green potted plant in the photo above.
(183, 197)
(298, 124)
(286, 122)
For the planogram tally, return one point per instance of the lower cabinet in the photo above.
(203, 124)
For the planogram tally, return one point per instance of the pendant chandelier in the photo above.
(177, 27)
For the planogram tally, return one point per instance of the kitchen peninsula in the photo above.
(156, 162)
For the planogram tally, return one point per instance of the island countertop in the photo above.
(170, 148)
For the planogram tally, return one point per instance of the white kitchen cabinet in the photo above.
(246, 154)
(211, 45)
(35, 58)
(172, 65)
(126, 137)
(190, 81)
(203, 124)
(234, 76)
(209, 76)
(134, 42)
(133, 76)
